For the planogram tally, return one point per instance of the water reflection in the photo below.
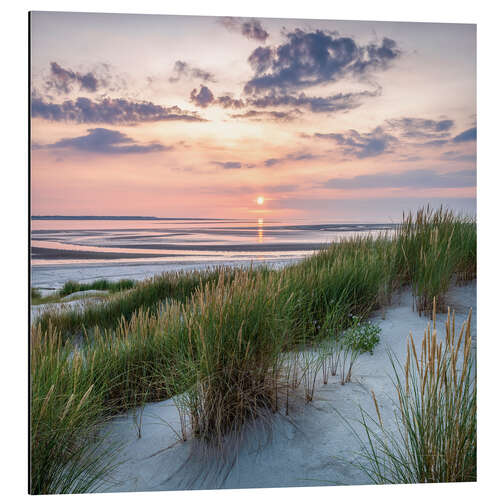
(260, 230)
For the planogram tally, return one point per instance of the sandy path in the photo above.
(312, 447)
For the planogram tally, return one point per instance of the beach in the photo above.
(311, 447)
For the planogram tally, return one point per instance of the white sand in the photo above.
(77, 300)
(310, 447)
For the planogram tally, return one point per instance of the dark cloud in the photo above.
(62, 80)
(309, 59)
(422, 179)
(228, 165)
(105, 141)
(231, 165)
(251, 28)
(227, 101)
(279, 116)
(184, 70)
(306, 60)
(421, 127)
(335, 103)
(467, 135)
(110, 111)
(297, 156)
(364, 145)
(202, 97)
(205, 97)
(261, 59)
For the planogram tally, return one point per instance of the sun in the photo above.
(260, 200)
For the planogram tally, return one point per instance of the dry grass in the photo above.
(436, 432)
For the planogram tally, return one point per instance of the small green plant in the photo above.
(361, 336)
(357, 339)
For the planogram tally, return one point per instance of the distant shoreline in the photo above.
(117, 217)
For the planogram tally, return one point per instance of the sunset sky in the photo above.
(200, 116)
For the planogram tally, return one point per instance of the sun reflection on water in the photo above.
(260, 230)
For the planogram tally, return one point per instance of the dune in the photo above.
(311, 446)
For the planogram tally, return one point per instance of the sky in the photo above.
(181, 116)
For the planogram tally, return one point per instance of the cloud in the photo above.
(279, 116)
(184, 70)
(62, 80)
(297, 156)
(232, 165)
(202, 97)
(205, 97)
(251, 28)
(281, 73)
(364, 145)
(109, 111)
(421, 127)
(312, 58)
(227, 101)
(434, 143)
(105, 141)
(334, 103)
(228, 165)
(423, 178)
(467, 135)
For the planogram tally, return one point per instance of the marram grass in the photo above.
(435, 438)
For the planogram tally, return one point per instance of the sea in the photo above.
(89, 248)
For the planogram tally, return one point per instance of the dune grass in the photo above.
(146, 295)
(435, 440)
(102, 284)
(66, 410)
(218, 338)
(431, 247)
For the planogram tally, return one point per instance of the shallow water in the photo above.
(87, 249)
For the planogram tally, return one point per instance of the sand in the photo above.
(310, 447)
(77, 300)
(48, 277)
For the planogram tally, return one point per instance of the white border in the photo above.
(14, 196)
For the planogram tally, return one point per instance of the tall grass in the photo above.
(431, 247)
(435, 439)
(223, 341)
(236, 331)
(350, 278)
(102, 284)
(65, 414)
(148, 294)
